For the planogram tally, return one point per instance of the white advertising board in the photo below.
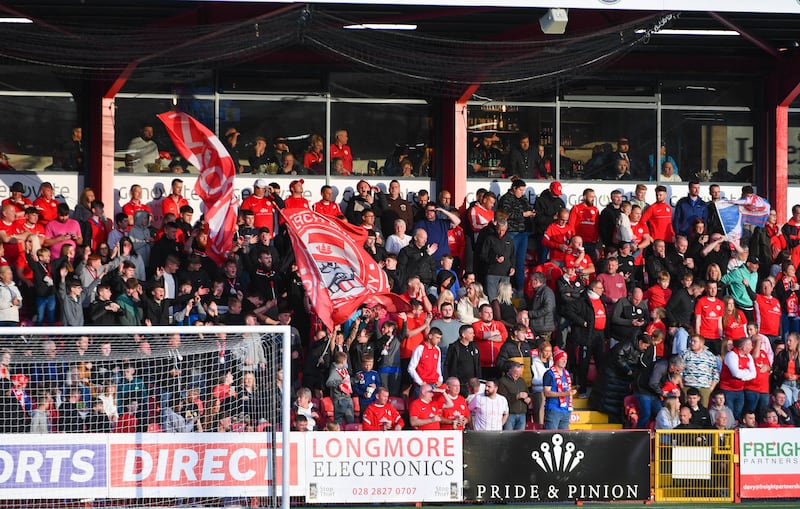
(384, 467)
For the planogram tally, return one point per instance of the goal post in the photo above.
(66, 385)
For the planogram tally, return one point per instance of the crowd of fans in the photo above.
(649, 306)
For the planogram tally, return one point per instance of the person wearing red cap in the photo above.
(558, 393)
(296, 200)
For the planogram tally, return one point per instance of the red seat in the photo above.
(327, 407)
(154, 428)
(355, 426)
(356, 406)
(398, 403)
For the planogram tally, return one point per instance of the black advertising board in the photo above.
(524, 466)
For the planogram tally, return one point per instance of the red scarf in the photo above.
(563, 401)
(345, 385)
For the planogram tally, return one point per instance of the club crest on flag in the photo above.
(337, 273)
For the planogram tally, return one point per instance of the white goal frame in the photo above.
(286, 357)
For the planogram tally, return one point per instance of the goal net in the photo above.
(145, 416)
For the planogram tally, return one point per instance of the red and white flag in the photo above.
(337, 273)
(201, 147)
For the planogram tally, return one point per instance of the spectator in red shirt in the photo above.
(326, 206)
(46, 204)
(380, 415)
(424, 413)
(768, 311)
(455, 413)
(658, 217)
(263, 207)
(557, 237)
(172, 204)
(16, 199)
(296, 200)
(490, 335)
(135, 205)
(583, 218)
(340, 150)
(708, 317)
(658, 295)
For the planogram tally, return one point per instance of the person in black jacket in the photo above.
(680, 306)
(615, 378)
(587, 333)
(463, 358)
(104, 311)
(416, 259)
(607, 221)
(497, 255)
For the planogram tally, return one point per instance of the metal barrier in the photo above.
(694, 466)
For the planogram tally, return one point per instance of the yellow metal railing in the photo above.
(694, 466)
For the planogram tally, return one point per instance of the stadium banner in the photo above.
(384, 467)
(48, 466)
(769, 463)
(145, 465)
(200, 465)
(556, 466)
(156, 186)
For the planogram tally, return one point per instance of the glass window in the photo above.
(705, 93)
(291, 118)
(133, 113)
(710, 145)
(593, 140)
(511, 139)
(39, 136)
(386, 134)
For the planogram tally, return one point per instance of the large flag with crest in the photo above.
(201, 147)
(337, 273)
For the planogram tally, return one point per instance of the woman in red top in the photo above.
(734, 323)
(756, 391)
(313, 159)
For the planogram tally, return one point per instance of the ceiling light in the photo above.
(691, 31)
(380, 26)
(16, 20)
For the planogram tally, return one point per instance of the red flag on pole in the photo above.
(338, 274)
(214, 185)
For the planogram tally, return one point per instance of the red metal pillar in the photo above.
(783, 86)
(455, 148)
(101, 141)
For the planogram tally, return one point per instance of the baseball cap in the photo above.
(17, 187)
(262, 183)
(293, 182)
(555, 188)
(753, 259)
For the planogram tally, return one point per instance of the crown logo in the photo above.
(324, 249)
(557, 456)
